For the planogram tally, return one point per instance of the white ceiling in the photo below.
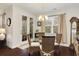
(42, 8)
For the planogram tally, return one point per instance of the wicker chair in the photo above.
(47, 45)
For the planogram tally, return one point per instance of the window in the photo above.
(51, 25)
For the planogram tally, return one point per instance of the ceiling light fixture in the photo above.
(46, 17)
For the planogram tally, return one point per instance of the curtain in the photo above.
(43, 24)
(62, 28)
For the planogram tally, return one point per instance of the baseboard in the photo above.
(18, 45)
(15, 46)
(63, 44)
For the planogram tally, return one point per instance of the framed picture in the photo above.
(39, 23)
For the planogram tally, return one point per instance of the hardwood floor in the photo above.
(59, 51)
(64, 51)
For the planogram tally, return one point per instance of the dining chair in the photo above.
(32, 43)
(29, 39)
(40, 36)
(58, 39)
(47, 45)
(34, 47)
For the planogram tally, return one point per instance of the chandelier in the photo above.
(42, 17)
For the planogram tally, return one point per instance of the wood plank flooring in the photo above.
(59, 51)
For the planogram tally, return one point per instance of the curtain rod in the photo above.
(56, 15)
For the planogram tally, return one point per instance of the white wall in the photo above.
(17, 23)
(0, 21)
(9, 30)
(1, 13)
(14, 32)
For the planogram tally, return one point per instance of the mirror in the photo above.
(24, 28)
(9, 21)
(31, 28)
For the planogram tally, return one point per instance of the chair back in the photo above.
(58, 38)
(48, 43)
(40, 37)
